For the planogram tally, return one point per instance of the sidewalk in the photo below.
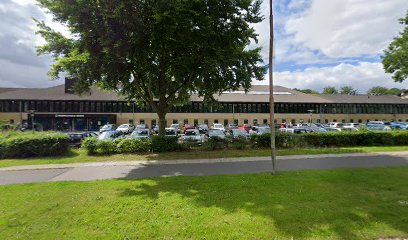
(197, 161)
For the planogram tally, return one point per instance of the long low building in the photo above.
(58, 108)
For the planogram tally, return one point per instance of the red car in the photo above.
(245, 127)
(187, 127)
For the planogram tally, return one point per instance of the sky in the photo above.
(318, 43)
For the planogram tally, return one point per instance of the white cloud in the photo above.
(347, 28)
(361, 76)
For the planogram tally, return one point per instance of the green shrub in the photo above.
(165, 144)
(32, 144)
(89, 144)
(132, 145)
(239, 143)
(106, 147)
(214, 143)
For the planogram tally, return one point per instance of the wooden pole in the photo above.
(271, 99)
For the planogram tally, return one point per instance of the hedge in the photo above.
(334, 139)
(104, 147)
(165, 144)
(33, 144)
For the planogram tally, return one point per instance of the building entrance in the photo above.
(74, 122)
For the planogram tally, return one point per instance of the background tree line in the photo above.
(377, 90)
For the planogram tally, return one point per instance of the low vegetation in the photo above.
(333, 204)
(15, 144)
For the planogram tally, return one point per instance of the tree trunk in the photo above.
(162, 123)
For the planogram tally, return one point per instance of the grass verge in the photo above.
(329, 204)
(79, 156)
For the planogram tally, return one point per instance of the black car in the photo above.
(75, 138)
(202, 128)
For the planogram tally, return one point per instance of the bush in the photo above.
(32, 144)
(165, 144)
(239, 143)
(89, 144)
(216, 143)
(132, 145)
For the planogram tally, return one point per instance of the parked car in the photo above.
(239, 133)
(126, 128)
(110, 135)
(260, 130)
(378, 127)
(176, 126)
(156, 128)
(171, 132)
(140, 133)
(399, 125)
(108, 127)
(141, 126)
(218, 126)
(192, 135)
(187, 127)
(75, 138)
(245, 127)
(216, 133)
(293, 130)
(202, 128)
(335, 125)
(330, 129)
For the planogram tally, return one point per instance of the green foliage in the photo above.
(239, 143)
(32, 144)
(156, 51)
(89, 144)
(165, 144)
(378, 90)
(330, 90)
(395, 56)
(132, 145)
(348, 90)
(307, 91)
(334, 139)
(214, 143)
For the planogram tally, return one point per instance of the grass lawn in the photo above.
(329, 204)
(78, 155)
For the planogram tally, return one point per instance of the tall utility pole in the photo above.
(271, 100)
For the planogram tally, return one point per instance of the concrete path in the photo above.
(198, 167)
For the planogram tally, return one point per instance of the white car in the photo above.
(192, 135)
(126, 128)
(335, 125)
(140, 133)
(217, 126)
(171, 132)
(175, 126)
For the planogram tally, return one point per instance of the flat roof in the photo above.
(258, 93)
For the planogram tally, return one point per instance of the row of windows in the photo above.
(199, 107)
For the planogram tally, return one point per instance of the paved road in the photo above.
(176, 168)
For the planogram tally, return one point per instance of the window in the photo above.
(343, 120)
(318, 120)
(255, 121)
(351, 120)
(130, 121)
(360, 121)
(215, 120)
(245, 121)
(326, 120)
(185, 121)
(175, 121)
(142, 121)
(225, 122)
(265, 121)
(236, 121)
(206, 121)
(11, 121)
(195, 122)
(293, 121)
(283, 120)
(334, 120)
(153, 122)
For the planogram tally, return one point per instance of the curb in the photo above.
(195, 161)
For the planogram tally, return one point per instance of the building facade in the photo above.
(57, 108)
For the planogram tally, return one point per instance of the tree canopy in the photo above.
(330, 90)
(155, 51)
(378, 90)
(348, 90)
(307, 91)
(395, 59)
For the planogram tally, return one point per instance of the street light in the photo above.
(32, 114)
(311, 111)
(271, 100)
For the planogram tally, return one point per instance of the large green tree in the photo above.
(348, 90)
(378, 90)
(155, 51)
(395, 59)
(330, 90)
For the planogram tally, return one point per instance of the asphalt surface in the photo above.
(147, 170)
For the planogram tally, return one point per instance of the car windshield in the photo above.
(218, 126)
(238, 132)
(264, 130)
(107, 127)
(216, 133)
(124, 126)
(175, 126)
(141, 133)
(170, 132)
(203, 126)
(191, 133)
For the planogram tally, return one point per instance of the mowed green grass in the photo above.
(329, 204)
(79, 156)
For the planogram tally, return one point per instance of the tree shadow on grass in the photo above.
(335, 203)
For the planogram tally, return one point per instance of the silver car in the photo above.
(140, 133)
